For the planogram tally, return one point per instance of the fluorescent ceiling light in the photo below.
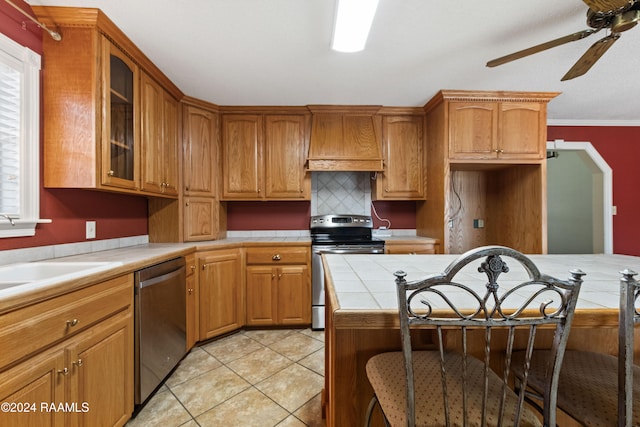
(352, 24)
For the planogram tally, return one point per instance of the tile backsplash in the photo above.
(340, 193)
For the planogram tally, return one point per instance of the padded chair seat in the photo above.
(387, 376)
(588, 386)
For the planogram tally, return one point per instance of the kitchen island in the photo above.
(362, 317)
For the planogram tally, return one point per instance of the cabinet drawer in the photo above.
(278, 255)
(29, 329)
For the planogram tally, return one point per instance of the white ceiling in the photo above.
(277, 52)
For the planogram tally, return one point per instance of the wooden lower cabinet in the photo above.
(192, 296)
(221, 292)
(278, 294)
(68, 360)
(86, 381)
(29, 385)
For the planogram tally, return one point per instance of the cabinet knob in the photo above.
(190, 291)
(273, 276)
(78, 363)
(71, 323)
(111, 173)
(64, 371)
(276, 257)
(186, 204)
(193, 267)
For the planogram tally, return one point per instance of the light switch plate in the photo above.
(91, 230)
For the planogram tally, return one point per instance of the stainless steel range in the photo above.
(336, 234)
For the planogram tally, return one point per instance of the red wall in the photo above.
(620, 148)
(115, 215)
(295, 215)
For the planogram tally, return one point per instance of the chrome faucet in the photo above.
(11, 221)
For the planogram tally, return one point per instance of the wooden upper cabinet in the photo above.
(242, 156)
(92, 107)
(263, 157)
(159, 120)
(522, 130)
(473, 130)
(508, 126)
(404, 151)
(120, 142)
(200, 151)
(285, 147)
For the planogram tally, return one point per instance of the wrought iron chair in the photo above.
(597, 389)
(478, 324)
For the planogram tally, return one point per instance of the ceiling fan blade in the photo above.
(590, 57)
(539, 48)
(604, 6)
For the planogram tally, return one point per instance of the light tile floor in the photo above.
(251, 378)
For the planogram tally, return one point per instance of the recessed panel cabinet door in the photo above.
(286, 149)
(242, 156)
(39, 379)
(522, 129)
(101, 373)
(200, 151)
(221, 292)
(294, 295)
(473, 130)
(404, 158)
(159, 119)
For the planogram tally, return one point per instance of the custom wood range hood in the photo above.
(345, 139)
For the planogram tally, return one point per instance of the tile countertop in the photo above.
(120, 261)
(366, 282)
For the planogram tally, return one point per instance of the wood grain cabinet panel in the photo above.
(159, 137)
(200, 151)
(242, 156)
(192, 299)
(264, 156)
(278, 285)
(404, 175)
(90, 365)
(497, 130)
(285, 147)
(221, 291)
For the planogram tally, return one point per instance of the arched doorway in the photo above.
(580, 200)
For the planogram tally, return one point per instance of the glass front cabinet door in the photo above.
(120, 116)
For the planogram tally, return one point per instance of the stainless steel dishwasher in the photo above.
(160, 324)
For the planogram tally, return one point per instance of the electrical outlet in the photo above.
(614, 210)
(478, 223)
(91, 229)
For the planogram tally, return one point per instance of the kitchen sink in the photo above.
(45, 271)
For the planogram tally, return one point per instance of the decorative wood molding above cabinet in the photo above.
(92, 107)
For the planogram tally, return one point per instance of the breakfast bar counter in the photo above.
(362, 318)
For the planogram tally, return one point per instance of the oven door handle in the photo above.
(343, 251)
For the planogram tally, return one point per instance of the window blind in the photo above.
(10, 131)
